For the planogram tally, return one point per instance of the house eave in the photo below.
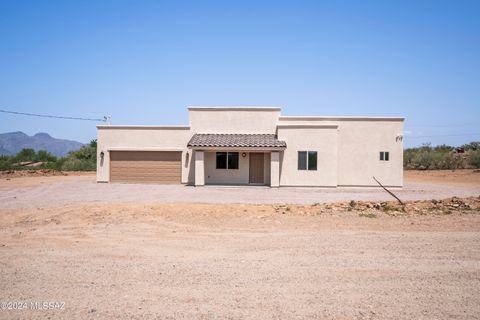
(246, 149)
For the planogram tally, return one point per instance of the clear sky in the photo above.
(143, 62)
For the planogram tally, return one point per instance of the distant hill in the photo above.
(12, 142)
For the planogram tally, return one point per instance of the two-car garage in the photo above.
(163, 167)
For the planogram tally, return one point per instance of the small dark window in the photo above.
(302, 160)
(221, 160)
(384, 156)
(312, 160)
(233, 160)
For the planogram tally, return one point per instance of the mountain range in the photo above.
(12, 142)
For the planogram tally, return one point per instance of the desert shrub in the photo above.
(93, 143)
(475, 145)
(474, 158)
(421, 158)
(432, 158)
(72, 164)
(83, 159)
(5, 163)
(44, 156)
(449, 161)
(26, 154)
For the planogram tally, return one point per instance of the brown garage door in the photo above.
(163, 167)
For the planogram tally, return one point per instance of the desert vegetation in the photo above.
(83, 159)
(425, 157)
(442, 157)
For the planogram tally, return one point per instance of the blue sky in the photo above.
(143, 62)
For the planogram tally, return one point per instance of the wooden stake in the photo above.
(391, 193)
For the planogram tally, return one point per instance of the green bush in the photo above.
(475, 145)
(78, 165)
(83, 159)
(425, 157)
(5, 163)
(44, 156)
(26, 154)
(474, 158)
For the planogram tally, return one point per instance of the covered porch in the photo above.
(236, 159)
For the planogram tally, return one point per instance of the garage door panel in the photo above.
(145, 156)
(143, 164)
(162, 167)
(153, 175)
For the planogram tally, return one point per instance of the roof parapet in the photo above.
(234, 108)
(133, 127)
(339, 118)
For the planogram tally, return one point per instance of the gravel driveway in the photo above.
(84, 189)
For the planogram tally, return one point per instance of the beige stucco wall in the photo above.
(226, 176)
(348, 147)
(266, 168)
(308, 138)
(140, 138)
(233, 176)
(359, 146)
(233, 120)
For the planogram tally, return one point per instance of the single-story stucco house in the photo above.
(255, 146)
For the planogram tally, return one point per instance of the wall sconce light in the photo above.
(102, 154)
(244, 154)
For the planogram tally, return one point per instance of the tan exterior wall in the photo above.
(266, 168)
(309, 138)
(233, 120)
(140, 139)
(348, 147)
(359, 146)
(359, 142)
(233, 176)
(225, 176)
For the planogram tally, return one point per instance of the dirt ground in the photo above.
(177, 260)
(48, 191)
(448, 177)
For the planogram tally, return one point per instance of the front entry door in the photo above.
(256, 168)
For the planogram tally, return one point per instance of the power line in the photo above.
(440, 125)
(56, 117)
(443, 135)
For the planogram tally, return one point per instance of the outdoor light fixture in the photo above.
(102, 154)
(244, 154)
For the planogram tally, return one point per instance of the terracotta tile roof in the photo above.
(236, 140)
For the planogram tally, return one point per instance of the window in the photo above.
(307, 160)
(227, 160)
(312, 160)
(221, 160)
(302, 160)
(384, 156)
(232, 160)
